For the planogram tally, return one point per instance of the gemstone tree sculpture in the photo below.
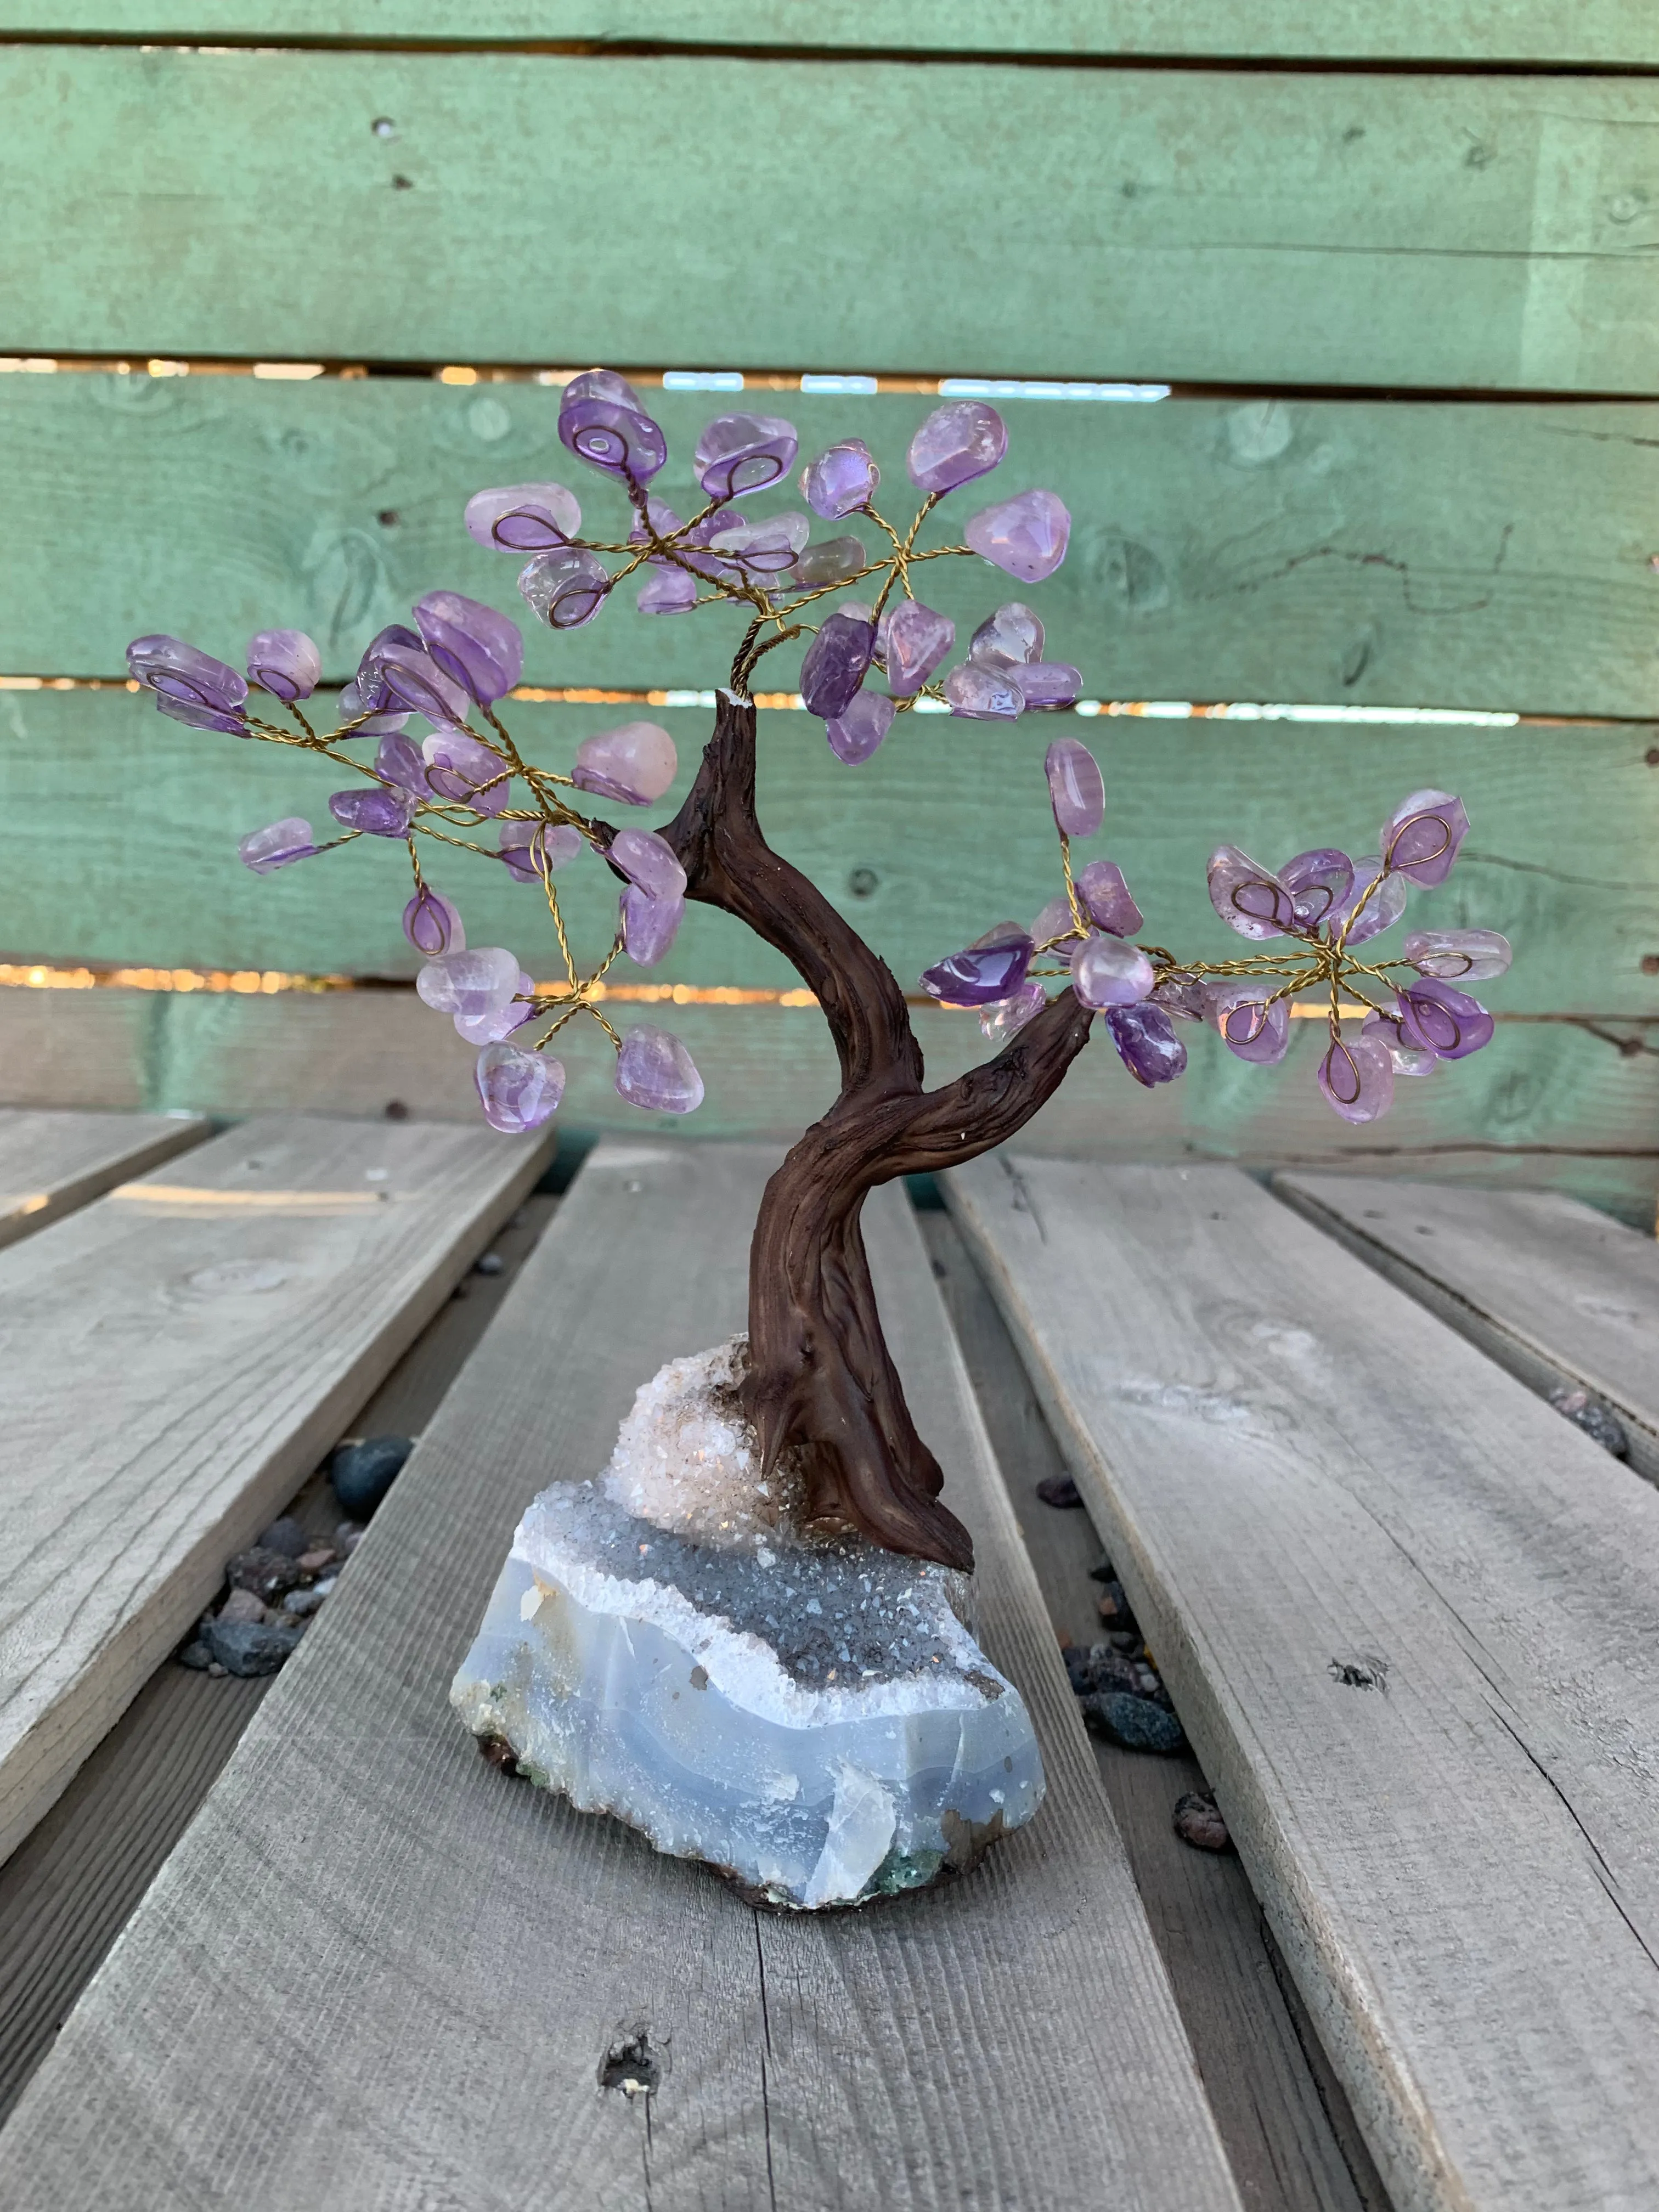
(815, 1383)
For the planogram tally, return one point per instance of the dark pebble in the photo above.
(491, 1264)
(286, 1537)
(249, 1647)
(197, 1656)
(1058, 1490)
(1594, 1418)
(267, 1574)
(1105, 1573)
(1100, 1668)
(1197, 1821)
(363, 1468)
(1133, 1723)
(499, 1753)
(1114, 1609)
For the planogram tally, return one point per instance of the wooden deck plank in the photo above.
(1297, 1471)
(1264, 548)
(1441, 232)
(1554, 1290)
(375, 1966)
(1611, 33)
(178, 1355)
(51, 1163)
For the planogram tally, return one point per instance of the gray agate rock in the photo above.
(815, 1719)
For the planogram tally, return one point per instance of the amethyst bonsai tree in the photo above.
(819, 1382)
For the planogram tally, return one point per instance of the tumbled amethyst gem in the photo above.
(766, 547)
(1057, 919)
(519, 1091)
(738, 454)
(470, 981)
(958, 442)
(1147, 1042)
(1106, 899)
(831, 560)
(1356, 1078)
(399, 760)
(1180, 996)
(671, 590)
(980, 975)
(1458, 956)
(1408, 1059)
(500, 1021)
(376, 809)
(1011, 1014)
(649, 861)
(1011, 638)
(1107, 972)
(285, 663)
(370, 684)
(566, 589)
(1249, 897)
(982, 694)
(1252, 1024)
(532, 518)
(277, 845)
(1375, 911)
(191, 687)
(1049, 683)
(840, 480)
(432, 924)
(916, 639)
(352, 706)
(634, 763)
(413, 679)
(1420, 838)
(462, 767)
(1076, 787)
(1027, 536)
(1442, 1020)
(602, 423)
(1317, 882)
(527, 847)
(836, 665)
(654, 1070)
(856, 732)
(471, 642)
(649, 926)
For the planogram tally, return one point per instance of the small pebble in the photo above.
(302, 1602)
(363, 1468)
(1105, 1573)
(1596, 1420)
(197, 1656)
(241, 1604)
(1101, 1667)
(1058, 1490)
(286, 1537)
(268, 1574)
(1197, 1821)
(215, 1668)
(1113, 1607)
(250, 1647)
(347, 1537)
(491, 1264)
(1133, 1723)
(315, 1562)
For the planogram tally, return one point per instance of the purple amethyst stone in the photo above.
(432, 924)
(855, 733)
(376, 809)
(519, 1091)
(533, 518)
(1027, 536)
(738, 454)
(836, 665)
(980, 975)
(958, 442)
(655, 1071)
(1441, 1020)
(840, 480)
(566, 589)
(472, 643)
(1147, 1042)
(285, 663)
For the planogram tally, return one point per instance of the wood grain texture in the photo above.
(1297, 1469)
(1422, 553)
(468, 1948)
(1609, 32)
(178, 1354)
(1563, 853)
(1444, 233)
(1545, 1104)
(1555, 1292)
(49, 1163)
(1290, 2137)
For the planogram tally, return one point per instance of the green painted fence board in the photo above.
(1478, 31)
(1488, 555)
(1546, 1106)
(1195, 225)
(116, 832)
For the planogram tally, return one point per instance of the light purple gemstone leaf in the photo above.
(958, 442)
(738, 454)
(174, 670)
(980, 975)
(1356, 1078)
(916, 639)
(488, 1028)
(462, 767)
(618, 440)
(670, 591)
(432, 924)
(413, 679)
(519, 1091)
(1076, 787)
(855, 732)
(277, 845)
(1248, 1025)
(376, 809)
(1459, 955)
(532, 518)
(1420, 838)
(1249, 897)
(565, 589)
(635, 763)
(1010, 1015)
(1381, 908)
(479, 649)
(836, 665)
(1107, 972)
(649, 926)
(1442, 1020)
(1408, 1059)
(1026, 537)
(1049, 683)
(649, 861)
(655, 1071)
(1011, 638)
(980, 694)
(840, 480)
(1147, 1042)
(1106, 899)
(471, 982)
(285, 663)
(1318, 881)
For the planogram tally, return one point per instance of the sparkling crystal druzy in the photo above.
(812, 1719)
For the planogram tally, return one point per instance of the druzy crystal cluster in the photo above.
(663, 1643)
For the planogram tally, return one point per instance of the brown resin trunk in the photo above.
(820, 1378)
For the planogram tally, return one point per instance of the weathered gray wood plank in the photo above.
(1555, 1290)
(376, 1969)
(177, 1357)
(51, 1163)
(1297, 1470)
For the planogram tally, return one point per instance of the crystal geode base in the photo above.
(812, 1719)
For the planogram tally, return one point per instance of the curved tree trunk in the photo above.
(820, 1377)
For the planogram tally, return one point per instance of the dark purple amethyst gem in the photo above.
(1147, 1042)
(610, 434)
(980, 975)
(377, 810)
(1442, 1020)
(836, 663)
(471, 642)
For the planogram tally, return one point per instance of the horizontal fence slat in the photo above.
(1441, 232)
(120, 828)
(1543, 1105)
(1613, 32)
(1477, 555)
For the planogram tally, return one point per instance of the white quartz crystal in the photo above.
(814, 1718)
